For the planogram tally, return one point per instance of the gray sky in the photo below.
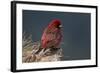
(76, 30)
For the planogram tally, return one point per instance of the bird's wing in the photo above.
(49, 35)
(48, 38)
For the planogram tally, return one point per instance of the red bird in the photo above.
(52, 35)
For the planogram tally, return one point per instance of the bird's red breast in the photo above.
(52, 35)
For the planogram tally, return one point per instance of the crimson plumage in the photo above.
(52, 35)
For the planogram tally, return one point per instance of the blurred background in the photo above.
(76, 31)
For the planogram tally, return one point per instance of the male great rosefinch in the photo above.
(52, 35)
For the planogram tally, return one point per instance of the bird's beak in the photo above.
(60, 26)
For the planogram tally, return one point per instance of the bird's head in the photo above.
(55, 23)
